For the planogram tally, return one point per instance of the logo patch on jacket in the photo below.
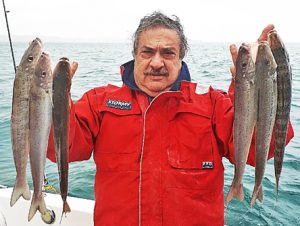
(119, 104)
(207, 165)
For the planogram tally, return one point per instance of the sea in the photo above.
(99, 64)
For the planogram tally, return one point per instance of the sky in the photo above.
(116, 20)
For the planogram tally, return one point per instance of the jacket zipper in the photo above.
(142, 154)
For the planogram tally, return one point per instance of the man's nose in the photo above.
(157, 61)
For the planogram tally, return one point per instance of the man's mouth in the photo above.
(161, 72)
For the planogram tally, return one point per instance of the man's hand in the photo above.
(234, 50)
(74, 66)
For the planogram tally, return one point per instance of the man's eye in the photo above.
(168, 54)
(147, 51)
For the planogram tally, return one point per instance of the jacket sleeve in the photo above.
(84, 126)
(223, 114)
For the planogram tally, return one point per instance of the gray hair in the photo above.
(158, 19)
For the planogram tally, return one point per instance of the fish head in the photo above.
(43, 72)
(274, 40)
(276, 44)
(244, 62)
(31, 54)
(62, 71)
(265, 59)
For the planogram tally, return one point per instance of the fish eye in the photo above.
(244, 64)
(30, 58)
(267, 62)
(44, 74)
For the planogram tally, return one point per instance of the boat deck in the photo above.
(81, 211)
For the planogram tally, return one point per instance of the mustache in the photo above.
(156, 72)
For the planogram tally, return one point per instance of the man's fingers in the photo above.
(233, 71)
(234, 53)
(264, 34)
(74, 67)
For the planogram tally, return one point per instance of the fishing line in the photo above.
(10, 42)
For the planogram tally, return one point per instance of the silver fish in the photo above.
(284, 98)
(39, 129)
(245, 112)
(265, 70)
(20, 118)
(61, 93)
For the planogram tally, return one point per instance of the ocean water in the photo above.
(209, 65)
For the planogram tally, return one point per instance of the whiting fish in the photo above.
(40, 119)
(265, 70)
(245, 113)
(20, 118)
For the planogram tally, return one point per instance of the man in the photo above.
(157, 145)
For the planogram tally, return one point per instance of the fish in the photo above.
(265, 70)
(245, 114)
(61, 94)
(40, 120)
(20, 118)
(284, 99)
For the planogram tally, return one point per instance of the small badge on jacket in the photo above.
(207, 165)
(119, 104)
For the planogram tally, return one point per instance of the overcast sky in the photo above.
(116, 20)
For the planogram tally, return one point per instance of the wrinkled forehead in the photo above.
(159, 36)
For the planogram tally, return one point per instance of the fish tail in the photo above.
(260, 194)
(37, 204)
(18, 191)
(277, 169)
(66, 207)
(235, 190)
(277, 183)
(257, 194)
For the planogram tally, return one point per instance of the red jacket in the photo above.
(157, 163)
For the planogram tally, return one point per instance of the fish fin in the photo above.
(235, 191)
(66, 207)
(240, 193)
(51, 99)
(260, 194)
(37, 203)
(257, 194)
(278, 167)
(277, 183)
(18, 191)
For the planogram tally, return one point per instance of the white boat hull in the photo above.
(81, 211)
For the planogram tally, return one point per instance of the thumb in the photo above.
(234, 53)
(264, 33)
(233, 71)
(74, 67)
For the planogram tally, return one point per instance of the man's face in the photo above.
(157, 63)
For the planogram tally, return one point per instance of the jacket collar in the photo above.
(128, 78)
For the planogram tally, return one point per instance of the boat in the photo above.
(81, 211)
